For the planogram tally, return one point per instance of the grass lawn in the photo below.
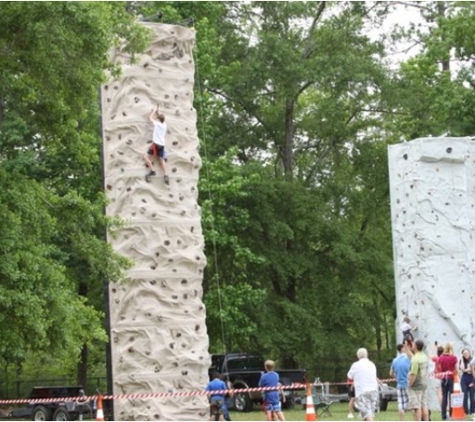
(339, 412)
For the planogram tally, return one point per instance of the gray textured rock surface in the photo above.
(433, 218)
(158, 332)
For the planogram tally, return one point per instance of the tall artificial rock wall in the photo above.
(157, 318)
(432, 185)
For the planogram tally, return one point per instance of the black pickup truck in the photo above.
(243, 370)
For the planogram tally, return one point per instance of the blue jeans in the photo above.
(225, 408)
(447, 385)
(468, 394)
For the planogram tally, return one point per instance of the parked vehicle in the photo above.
(386, 394)
(244, 370)
(61, 410)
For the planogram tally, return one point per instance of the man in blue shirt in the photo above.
(216, 399)
(400, 369)
(271, 398)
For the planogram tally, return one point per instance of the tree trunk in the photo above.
(377, 324)
(82, 366)
(287, 150)
(441, 9)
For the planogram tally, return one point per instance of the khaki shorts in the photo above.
(417, 399)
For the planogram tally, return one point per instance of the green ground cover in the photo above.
(339, 412)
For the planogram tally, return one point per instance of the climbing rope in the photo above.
(215, 252)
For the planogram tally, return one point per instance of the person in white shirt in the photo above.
(365, 380)
(157, 149)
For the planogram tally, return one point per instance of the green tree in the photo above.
(433, 90)
(53, 58)
(301, 87)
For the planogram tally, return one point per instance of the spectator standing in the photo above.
(417, 381)
(466, 382)
(365, 380)
(272, 398)
(216, 389)
(351, 399)
(448, 365)
(400, 369)
(434, 356)
(472, 367)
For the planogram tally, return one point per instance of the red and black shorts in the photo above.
(156, 150)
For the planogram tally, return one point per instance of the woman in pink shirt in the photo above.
(447, 365)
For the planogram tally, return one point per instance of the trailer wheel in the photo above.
(62, 414)
(41, 413)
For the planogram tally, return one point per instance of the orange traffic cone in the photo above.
(311, 415)
(100, 410)
(456, 401)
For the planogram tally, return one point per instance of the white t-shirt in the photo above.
(405, 327)
(159, 132)
(363, 374)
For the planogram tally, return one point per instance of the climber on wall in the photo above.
(157, 149)
(407, 328)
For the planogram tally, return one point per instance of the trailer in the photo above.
(78, 407)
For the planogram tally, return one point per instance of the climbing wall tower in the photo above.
(433, 220)
(157, 318)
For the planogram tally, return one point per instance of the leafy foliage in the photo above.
(301, 89)
(296, 107)
(53, 255)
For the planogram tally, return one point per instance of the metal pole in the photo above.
(105, 288)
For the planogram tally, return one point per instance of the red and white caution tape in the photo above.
(294, 386)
